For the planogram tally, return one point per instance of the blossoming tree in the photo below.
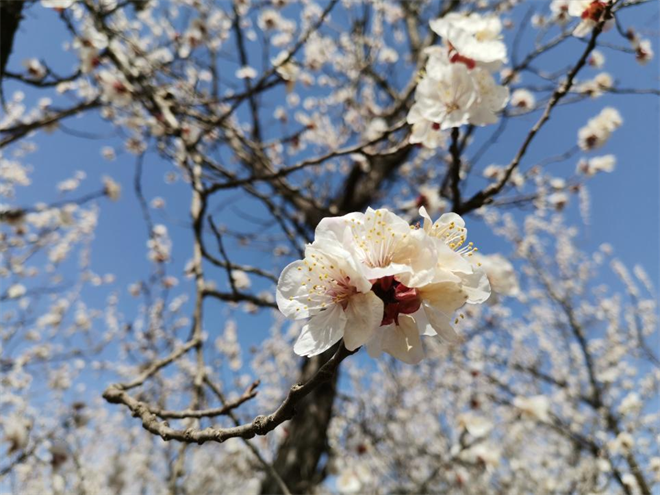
(312, 317)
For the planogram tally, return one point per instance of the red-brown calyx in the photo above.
(594, 11)
(397, 298)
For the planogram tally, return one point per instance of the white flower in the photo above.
(558, 200)
(328, 288)
(16, 432)
(591, 13)
(115, 88)
(425, 131)
(500, 272)
(437, 281)
(622, 443)
(444, 96)
(108, 153)
(288, 71)
(559, 9)
(535, 407)
(492, 98)
(57, 4)
(373, 279)
(476, 425)
(484, 453)
(111, 188)
(523, 99)
(246, 72)
(15, 291)
(595, 88)
(605, 163)
(472, 39)
(597, 59)
(599, 129)
(353, 479)
(643, 51)
(35, 69)
(240, 279)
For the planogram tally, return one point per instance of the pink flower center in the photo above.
(398, 299)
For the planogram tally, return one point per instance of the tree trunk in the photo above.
(10, 18)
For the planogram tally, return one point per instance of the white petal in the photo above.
(375, 345)
(423, 324)
(289, 287)
(428, 223)
(476, 286)
(402, 341)
(445, 297)
(441, 324)
(364, 314)
(321, 332)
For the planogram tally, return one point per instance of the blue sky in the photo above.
(625, 208)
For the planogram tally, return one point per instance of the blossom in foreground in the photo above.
(328, 288)
(373, 279)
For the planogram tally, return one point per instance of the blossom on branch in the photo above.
(457, 87)
(373, 279)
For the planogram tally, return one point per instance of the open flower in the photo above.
(491, 98)
(375, 280)
(328, 288)
(599, 129)
(591, 12)
(472, 39)
(444, 97)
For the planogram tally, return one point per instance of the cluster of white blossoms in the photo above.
(599, 129)
(457, 87)
(373, 279)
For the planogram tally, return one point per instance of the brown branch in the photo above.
(485, 195)
(261, 425)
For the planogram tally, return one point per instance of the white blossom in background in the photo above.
(115, 88)
(457, 87)
(35, 69)
(501, 273)
(643, 48)
(597, 59)
(15, 291)
(246, 72)
(16, 432)
(559, 10)
(111, 188)
(240, 279)
(592, 166)
(590, 13)
(472, 39)
(57, 4)
(599, 129)
(523, 99)
(443, 98)
(536, 407)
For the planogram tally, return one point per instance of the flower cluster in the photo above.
(458, 87)
(591, 12)
(373, 279)
(599, 129)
